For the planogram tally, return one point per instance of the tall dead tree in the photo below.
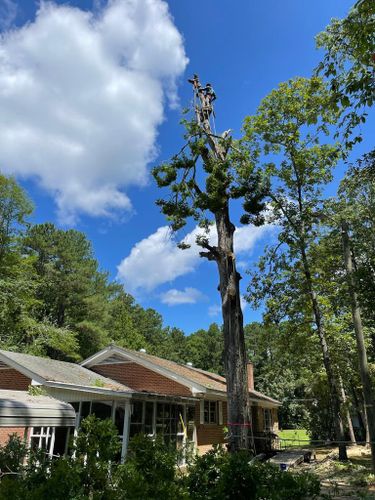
(203, 178)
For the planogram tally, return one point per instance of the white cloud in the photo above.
(214, 310)
(81, 97)
(156, 259)
(242, 264)
(175, 297)
(244, 304)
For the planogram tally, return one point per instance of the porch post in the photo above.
(52, 443)
(125, 432)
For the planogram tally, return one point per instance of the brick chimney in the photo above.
(250, 375)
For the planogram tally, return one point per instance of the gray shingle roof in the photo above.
(51, 370)
(209, 380)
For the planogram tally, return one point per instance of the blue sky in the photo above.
(96, 92)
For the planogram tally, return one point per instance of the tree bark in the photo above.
(235, 359)
(367, 427)
(368, 395)
(347, 412)
(328, 366)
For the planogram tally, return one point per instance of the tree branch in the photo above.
(208, 255)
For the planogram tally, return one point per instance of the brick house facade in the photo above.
(140, 392)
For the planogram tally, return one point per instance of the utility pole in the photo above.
(235, 358)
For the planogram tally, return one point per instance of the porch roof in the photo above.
(20, 409)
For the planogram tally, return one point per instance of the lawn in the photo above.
(298, 438)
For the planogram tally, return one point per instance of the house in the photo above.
(140, 392)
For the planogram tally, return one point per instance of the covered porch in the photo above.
(171, 417)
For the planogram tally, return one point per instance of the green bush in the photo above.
(86, 474)
(150, 472)
(222, 476)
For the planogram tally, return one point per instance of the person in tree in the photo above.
(209, 94)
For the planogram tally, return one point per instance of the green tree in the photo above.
(15, 207)
(349, 62)
(285, 358)
(285, 135)
(205, 349)
(202, 179)
(360, 215)
(71, 291)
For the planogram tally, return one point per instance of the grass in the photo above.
(298, 438)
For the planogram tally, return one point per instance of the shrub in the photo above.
(222, 476)
(149, 471)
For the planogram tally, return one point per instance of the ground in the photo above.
(344, 480)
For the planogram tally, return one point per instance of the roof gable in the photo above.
(53, 373)
(168, 369)
(200, 381)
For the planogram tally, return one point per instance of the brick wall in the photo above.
(209, 434)
(6, 432)
(258, 419)
(13, 380)
(140, 378)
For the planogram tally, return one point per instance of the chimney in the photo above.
(250, 375)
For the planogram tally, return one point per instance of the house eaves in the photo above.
(100, 356)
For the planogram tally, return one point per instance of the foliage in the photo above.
(204, 348)
(356, 203)
(54, 299)
(150, 471)
(348, 63)
(219, 475)
(15, 207)
(284, 363)
(85, 474)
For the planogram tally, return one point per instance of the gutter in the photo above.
(87, 388)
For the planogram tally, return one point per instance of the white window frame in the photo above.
(47, 433)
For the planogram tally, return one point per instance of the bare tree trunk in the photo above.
(367, 427)
(239, 416)
(347, 412)
(361, 347)
(361, 413)
(235, 359)
(331, 377)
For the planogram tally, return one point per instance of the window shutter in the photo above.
(220, 413)
(201, 418)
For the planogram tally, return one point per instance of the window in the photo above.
(149, 418)
(40, 438)
(210, 412)
(136, 418)
(267, 419)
